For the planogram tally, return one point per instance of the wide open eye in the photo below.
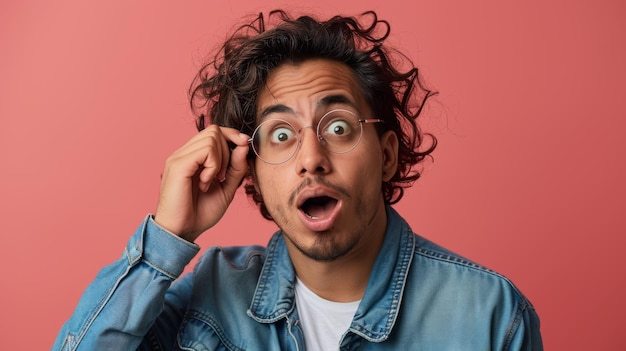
(275, 141)
(274, 134)
(281, 135)
(337, 128)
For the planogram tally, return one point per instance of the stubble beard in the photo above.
(329, 245)
(326, 248)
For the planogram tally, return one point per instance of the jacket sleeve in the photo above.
(527, 335)
(122, 304)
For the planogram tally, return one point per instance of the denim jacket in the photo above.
(419, 297)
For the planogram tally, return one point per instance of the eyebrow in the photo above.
(336, 99)
(278, 108)
(324, 102)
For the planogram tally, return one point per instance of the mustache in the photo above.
(307, 182)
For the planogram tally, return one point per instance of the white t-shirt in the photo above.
(323, 322)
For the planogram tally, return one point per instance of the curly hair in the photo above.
(227, 87)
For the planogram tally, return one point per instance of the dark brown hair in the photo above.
(227, 87)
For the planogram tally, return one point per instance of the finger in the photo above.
(235, 140)
(235, 136)
(214, 152)
(225, 158)
(215, 155)
(200, 158)
(237, 169)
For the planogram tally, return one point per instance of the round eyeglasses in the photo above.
(275, 140)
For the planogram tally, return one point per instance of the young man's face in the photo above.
(328, 205)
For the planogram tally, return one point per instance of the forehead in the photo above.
(310, 86)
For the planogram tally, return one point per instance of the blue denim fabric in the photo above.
(419, 297)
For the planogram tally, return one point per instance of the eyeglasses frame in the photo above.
(317, 133)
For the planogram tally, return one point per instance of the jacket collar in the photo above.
(377, 313)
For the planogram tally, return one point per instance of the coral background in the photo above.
(528, 178)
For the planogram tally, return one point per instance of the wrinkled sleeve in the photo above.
(121, 306)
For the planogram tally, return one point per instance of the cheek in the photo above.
(371, 161)
(270, 183)
(370, 180)
(363, 174)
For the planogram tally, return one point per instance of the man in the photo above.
(321, 126)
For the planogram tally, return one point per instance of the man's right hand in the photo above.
(199, 181)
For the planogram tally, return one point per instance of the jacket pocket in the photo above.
(200, 335)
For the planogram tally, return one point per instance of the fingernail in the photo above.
(221, 176)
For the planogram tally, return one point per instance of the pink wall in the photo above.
(528, 178)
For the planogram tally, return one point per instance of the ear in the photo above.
(252, 170)
(389, 144)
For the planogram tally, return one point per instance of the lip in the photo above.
(318, 224)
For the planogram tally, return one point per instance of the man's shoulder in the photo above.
(434, 260)
(430, 250)
(451, 290)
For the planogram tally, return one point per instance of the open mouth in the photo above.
(318, 207)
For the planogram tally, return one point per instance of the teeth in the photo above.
(312, 217)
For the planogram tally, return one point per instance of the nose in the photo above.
(311, 157)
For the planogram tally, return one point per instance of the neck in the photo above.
(336, 281)
(345, 278)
